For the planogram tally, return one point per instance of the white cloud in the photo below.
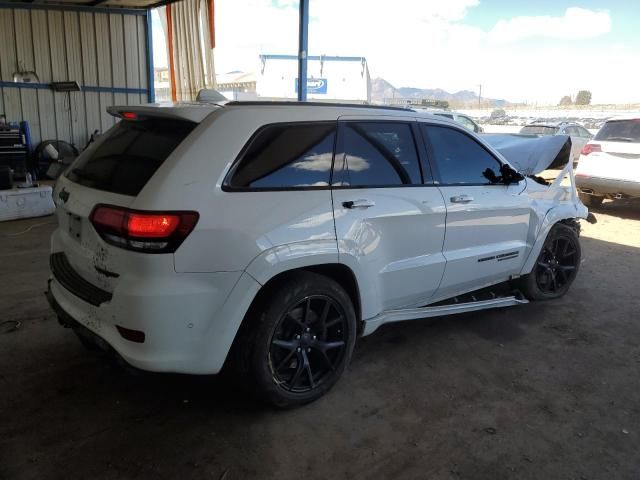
(427, 44)
(315, 162)
(576, 23)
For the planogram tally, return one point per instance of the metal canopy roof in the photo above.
(89, 4)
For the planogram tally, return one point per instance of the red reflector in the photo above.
(152, 226)
(129, 116)
(590, 148)
(111, 218)
(131, 335)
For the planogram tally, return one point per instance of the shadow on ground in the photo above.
(626, 209)
(545, 390)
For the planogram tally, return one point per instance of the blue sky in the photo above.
(534, 51)
(625, 14)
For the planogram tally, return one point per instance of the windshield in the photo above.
(127, 158)
(620, 131)
(538, 130)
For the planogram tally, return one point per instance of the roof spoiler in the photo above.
(191, 112)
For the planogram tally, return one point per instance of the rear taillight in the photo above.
(151, 232)
(590, 148)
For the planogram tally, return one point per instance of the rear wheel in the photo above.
(591, 200)
(302, 341)
(556, 267)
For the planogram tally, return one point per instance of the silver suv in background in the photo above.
(463, 120)
(579, 135)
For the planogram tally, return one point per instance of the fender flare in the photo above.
(553, 216)
(292, 256)
(288, 257)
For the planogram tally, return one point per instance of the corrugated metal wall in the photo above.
(104, 52)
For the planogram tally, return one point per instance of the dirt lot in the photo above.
(544, 391)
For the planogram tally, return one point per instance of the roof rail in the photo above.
(295, 103)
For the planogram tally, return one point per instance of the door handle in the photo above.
(462, 199)
(362, 203)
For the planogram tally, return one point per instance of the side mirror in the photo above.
(509, 175)
(479, 129)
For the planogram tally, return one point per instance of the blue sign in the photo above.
(315, 85)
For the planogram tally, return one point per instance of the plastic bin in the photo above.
(26, 202)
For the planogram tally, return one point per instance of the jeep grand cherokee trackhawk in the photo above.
(266, 237)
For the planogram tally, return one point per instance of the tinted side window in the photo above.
(458, 157)
(376, 154)
(285, 156)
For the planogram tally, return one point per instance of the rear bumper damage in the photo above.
(607, 187)
(186, 325)
(69, 322)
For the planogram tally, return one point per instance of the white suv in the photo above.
(609, 166)
(266, 237)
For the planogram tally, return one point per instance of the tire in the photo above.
(590, 200)
(299, 342)
(556, 266)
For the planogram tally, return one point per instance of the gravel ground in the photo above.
(542, 391)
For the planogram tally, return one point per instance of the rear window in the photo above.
(130, 154)
(287, 156)
(538, 130)
(620, 131)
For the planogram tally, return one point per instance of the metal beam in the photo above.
(151, 94)
(84, 88)
(303, 42)
(70, 8)
(161, 3)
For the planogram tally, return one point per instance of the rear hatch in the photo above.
(112, 172)
(614, 152)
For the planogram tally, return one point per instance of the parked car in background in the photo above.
(579, 135)
(463, 120)
(266, 237)
(609, 165)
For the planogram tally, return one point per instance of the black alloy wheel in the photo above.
(297, 341)
(556, 267)
(309, 343)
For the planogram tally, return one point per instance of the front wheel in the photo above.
(556, 267)
(302, 341)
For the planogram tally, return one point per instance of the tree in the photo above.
(583, 97)
(497, 114)
(566, 100)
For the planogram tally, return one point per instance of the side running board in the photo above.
(390, 316)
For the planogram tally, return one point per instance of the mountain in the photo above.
(382, 90)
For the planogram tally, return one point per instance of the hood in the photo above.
(531, 154)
